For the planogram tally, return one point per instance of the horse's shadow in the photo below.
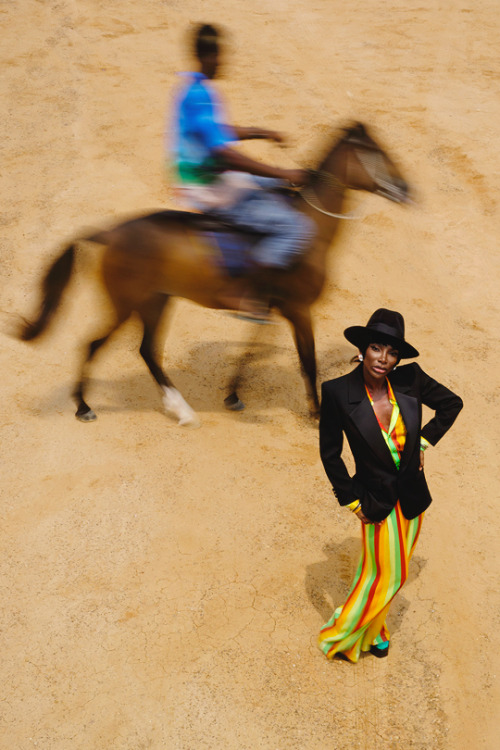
(203, 380)
(264, 381)
(327, 582)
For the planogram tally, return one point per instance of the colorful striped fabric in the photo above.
(395, 436)
(382, 570)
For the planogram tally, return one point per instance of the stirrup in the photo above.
(262, 316)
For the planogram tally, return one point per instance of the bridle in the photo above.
(372, 161)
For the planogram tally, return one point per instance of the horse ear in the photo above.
(356, 132)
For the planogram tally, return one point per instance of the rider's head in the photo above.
(206, 49)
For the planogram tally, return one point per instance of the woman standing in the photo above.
(379, 409)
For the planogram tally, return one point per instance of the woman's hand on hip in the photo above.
(359, 513)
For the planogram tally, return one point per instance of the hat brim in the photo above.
(361, 336)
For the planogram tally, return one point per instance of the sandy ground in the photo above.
(163, 588)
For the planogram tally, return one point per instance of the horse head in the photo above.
(358, 162)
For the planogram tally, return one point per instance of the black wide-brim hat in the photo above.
(384, 327)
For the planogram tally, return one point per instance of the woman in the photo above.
(379, 409)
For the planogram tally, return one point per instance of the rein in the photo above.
(311, 202)
(310, 197)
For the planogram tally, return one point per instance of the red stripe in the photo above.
(398, 438)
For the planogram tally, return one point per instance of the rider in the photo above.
(214, 177)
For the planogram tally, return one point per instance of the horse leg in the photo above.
(300, 320)
(83, 412)
(151, 314)
(232, 401)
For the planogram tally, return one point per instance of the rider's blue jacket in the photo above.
(198, 128)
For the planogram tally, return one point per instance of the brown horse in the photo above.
(151, 258)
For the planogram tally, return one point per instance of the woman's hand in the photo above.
(362, 517)
(421, 467)
(366, 520)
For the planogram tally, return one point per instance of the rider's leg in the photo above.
(286, 234)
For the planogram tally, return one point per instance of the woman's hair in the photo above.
(206, 41)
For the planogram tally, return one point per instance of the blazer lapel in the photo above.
(364, 418)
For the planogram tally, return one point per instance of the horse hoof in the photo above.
(233, 403)
(191, 424)
(176, 406)
(86, 416)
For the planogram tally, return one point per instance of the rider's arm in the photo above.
(234, 159)
(217, 139)
(251, 134)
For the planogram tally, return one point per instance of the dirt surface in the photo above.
(161, 587)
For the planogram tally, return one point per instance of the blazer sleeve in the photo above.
(331, 440)
(446, 404)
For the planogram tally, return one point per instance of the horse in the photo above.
(151, 258)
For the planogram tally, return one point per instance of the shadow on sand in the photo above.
(203, 380)
(327, 582)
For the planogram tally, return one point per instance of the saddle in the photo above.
(233, 245)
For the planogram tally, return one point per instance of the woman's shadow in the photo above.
(328, 582)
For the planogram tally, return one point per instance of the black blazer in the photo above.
(346, 409)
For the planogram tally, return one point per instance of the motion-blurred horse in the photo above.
(152, 258)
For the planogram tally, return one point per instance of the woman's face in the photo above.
(379, 360)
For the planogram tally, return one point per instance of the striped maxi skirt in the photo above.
(382, 570)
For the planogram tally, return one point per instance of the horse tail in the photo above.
(52, 286)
